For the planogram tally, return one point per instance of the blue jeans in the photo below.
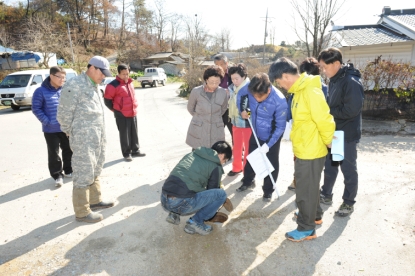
(205, 204)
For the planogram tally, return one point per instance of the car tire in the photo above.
(15, 107)
(143, 85)
(163, 82)
(155, 83)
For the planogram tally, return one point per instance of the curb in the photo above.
(388, 127)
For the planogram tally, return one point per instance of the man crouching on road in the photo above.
(194, 186)
(81, 116)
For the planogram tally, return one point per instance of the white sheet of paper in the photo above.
(337, 146)
(288, 127)
(260, 163)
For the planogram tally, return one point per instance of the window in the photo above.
(37, 79)
(15, 81)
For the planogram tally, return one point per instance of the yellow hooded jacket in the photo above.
(313, 126)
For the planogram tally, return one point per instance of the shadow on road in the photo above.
(113, 162)
(46, 184)
(301, 258)
(36, 238)
(7, 111)
(383, 144)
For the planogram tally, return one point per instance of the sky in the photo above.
(246, 19)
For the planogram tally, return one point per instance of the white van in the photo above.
(17, 89)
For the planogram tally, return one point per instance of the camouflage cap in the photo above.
(102, 64)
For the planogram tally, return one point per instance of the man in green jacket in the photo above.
(311, 135)
(194, 187)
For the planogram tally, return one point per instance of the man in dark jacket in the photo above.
(120, 98)
(194, 187)
(345, 99)
(45, 103)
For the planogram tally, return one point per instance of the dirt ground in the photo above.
(39, 234)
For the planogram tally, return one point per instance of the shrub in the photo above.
(191, 80)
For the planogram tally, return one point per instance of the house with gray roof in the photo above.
(393, 37)
(173, 63)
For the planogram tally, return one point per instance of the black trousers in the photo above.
(307, 175)
(127, 127)
(54, 141)
(349, 170)
(273, 156)
(227, 122)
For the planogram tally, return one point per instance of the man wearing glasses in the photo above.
(45, 107)
(81, 115)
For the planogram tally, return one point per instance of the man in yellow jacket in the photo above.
(311, 135)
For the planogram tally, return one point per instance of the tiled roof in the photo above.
(406, 19)
(178, 59)
(159, 55)
(365, 35)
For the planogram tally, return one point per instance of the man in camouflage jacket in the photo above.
(81, 116)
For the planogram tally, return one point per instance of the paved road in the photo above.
(40, 236)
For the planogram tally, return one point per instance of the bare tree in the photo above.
(197, 37)
(176, 21)
(314, 17)
(41, 35)
(161, 19)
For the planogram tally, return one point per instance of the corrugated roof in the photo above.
(365, 35)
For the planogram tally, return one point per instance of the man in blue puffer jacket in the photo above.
(268, 116)
(45, 103)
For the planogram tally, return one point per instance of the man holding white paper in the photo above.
(269, 111)
(345, 99)
(311, 135)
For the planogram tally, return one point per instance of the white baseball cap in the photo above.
(102, 64)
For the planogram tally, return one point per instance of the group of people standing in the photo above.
(72, 117)
(228, 95)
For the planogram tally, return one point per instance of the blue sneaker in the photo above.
(297, 236)
(195, 227)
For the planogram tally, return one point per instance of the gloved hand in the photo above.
(264, 148)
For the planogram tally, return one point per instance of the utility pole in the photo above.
(265, 37)
(70, 42)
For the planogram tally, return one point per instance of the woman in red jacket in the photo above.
(120, 98)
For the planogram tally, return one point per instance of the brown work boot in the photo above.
(95, 192)
(219, 217)
(91, 218)
(80, 200)
(228, 205)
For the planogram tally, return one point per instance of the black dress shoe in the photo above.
(232, 173)
(246, 187)
(138, 154)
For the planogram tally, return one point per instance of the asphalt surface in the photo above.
(39, 234)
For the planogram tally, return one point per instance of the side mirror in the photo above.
(34, 83)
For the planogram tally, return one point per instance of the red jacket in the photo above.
(122, 96)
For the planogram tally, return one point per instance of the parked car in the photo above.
(104, 83)
(17, 89)
(153, 77)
